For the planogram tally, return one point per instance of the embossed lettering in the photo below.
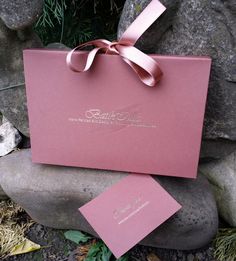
(112, 116)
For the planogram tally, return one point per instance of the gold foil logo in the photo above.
(120, 118)
(126, 212)
(112, 116)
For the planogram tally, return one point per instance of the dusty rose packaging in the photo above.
(139, 205)
(106, 117)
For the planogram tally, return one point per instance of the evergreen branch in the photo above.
(225, 244)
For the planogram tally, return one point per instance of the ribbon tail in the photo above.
(145, 19)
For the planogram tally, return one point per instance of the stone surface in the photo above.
(9, 138)
(216, 149)
(198, 27)
(17, 15)
(25, 143)
(3, 195)
(52, 194)
(222, 176)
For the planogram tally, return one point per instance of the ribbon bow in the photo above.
(144, 66)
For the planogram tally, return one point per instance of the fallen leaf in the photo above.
(94, 251)
(83, 250)
(80, 253)
(76, 236)
(25, 247)
(153, 257)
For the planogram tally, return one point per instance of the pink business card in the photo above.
(128, 211)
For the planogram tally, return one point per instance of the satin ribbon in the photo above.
(144, 66)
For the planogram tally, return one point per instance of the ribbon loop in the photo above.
(143, 65)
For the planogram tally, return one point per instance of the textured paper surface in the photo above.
(128, 211)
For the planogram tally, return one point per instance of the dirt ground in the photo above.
(56, 248)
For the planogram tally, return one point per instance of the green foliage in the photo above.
(72, 22)
(100, 252)
(76, 236)
(51, 18)
(97, 252)
(225, 245)
(53, 9)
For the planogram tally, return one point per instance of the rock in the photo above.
(132, 8)
(57, 46)
(3, 195)
(25, 143)
(198, 27)
(9, 138)
(216, 149)
(222, 177)
(52, 195)
(17, 15)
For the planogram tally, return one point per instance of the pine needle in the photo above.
(9, 210)
(11, 232)
(225, 245)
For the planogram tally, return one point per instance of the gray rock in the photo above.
(216, 149)
(57, 46)
(222, 176)
(3, 195)
(17, 15)
(133, 8)
(9, 138)
(25, 143)
(52, 195)
(198, 27)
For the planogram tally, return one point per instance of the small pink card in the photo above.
(128, 211)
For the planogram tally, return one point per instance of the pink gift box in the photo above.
(106, 118)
